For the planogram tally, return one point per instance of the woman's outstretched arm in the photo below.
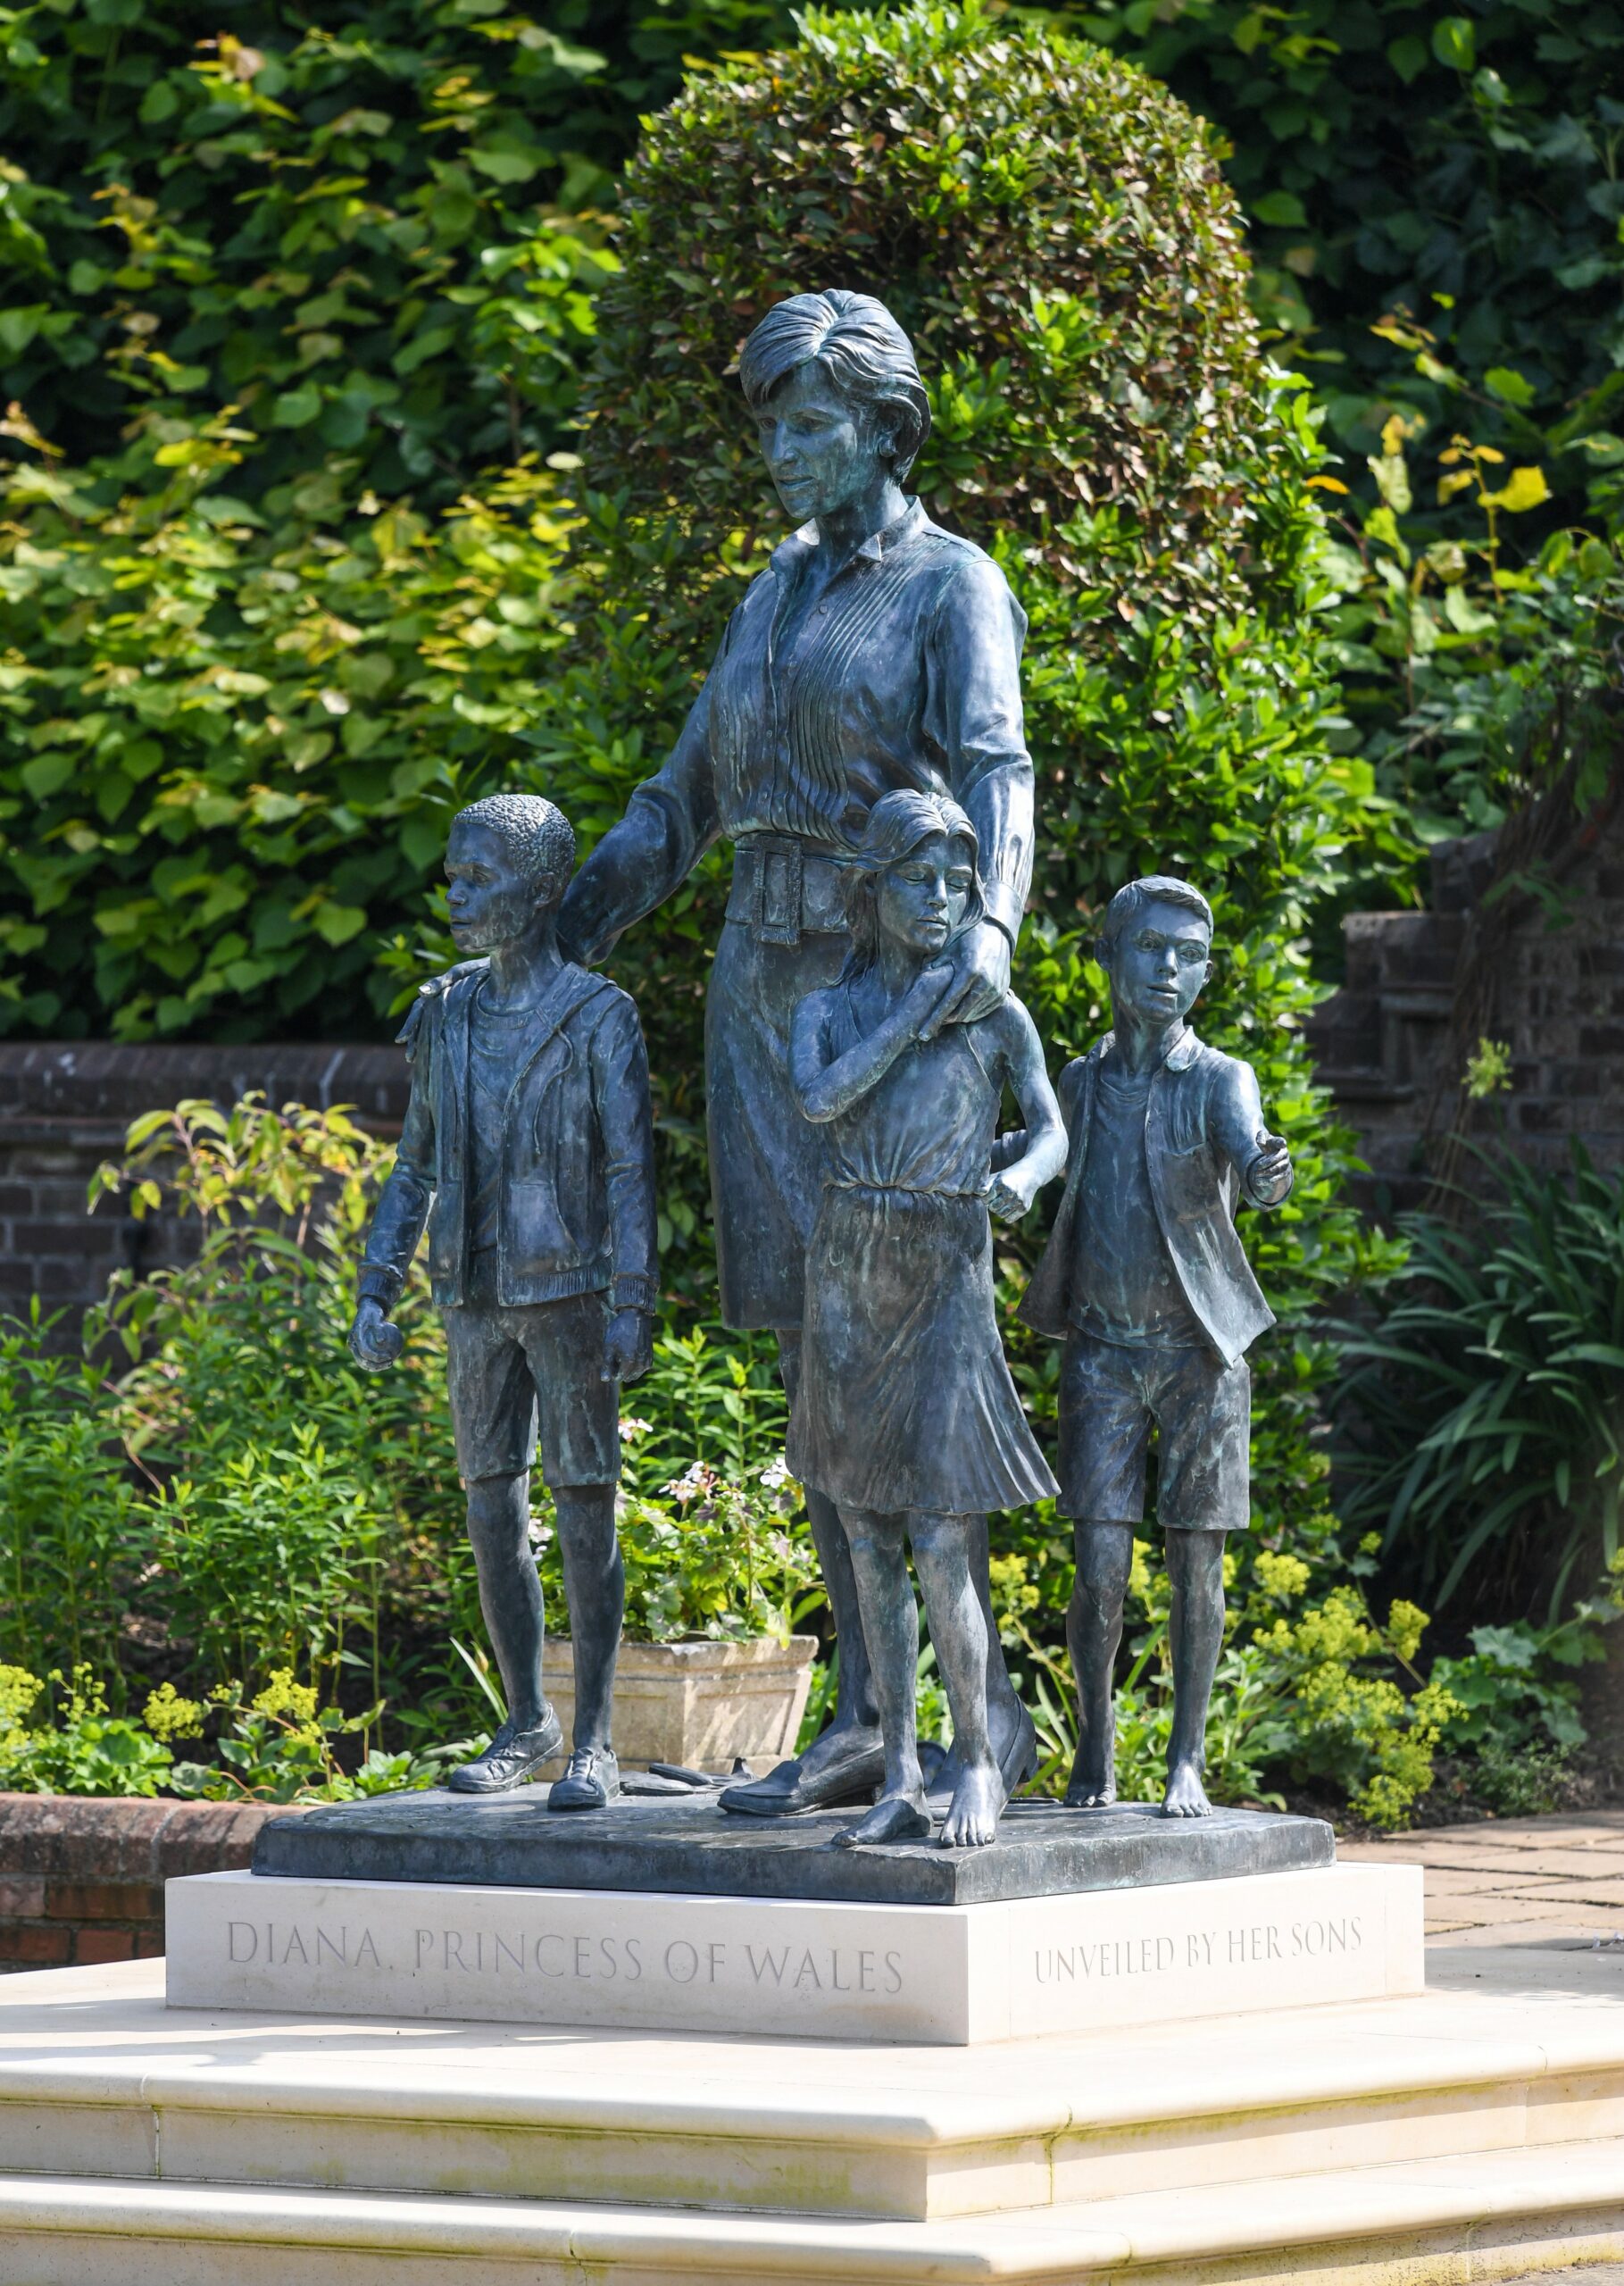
(825, 1083)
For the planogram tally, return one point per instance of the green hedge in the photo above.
(1461, 165)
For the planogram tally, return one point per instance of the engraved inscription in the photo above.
(556, 1956)
(271, 1944)
(1241, 1946)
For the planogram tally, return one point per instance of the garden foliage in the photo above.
(1310, 1688)
(289, 1599)
(291, 332)
(1487, 1428)
(239, 1510)
(1461, 166)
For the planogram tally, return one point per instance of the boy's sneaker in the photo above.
(511, 1756)
(591, 1782)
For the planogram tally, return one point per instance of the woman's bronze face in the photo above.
(821, 451)
(921, 900)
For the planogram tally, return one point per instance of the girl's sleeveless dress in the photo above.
(906, 1398)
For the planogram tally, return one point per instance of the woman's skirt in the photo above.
(906, 1398)
(766, 1157)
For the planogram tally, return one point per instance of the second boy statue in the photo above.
(529, 1151)
(1145, 1278)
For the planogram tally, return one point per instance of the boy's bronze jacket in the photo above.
(1202, 1123)
(576, 1206)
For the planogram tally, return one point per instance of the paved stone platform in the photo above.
(692, 1848)
(1444, 2139)
(1555, 1880)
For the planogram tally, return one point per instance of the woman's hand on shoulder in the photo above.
(925, 997)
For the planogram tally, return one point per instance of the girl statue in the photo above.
(906, 1417)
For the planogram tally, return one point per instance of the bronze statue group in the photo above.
(859, 740)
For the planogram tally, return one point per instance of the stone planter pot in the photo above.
(698, 1704)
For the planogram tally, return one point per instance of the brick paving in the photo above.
(1555, 1880)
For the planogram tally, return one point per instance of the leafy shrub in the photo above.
(284, 299)
(301, 1513)
(1486, 1429)
(1474, 668)
(1461, 167)
(276, 1521)
(80, 1748)
(279, 1747)
(1515, 1691)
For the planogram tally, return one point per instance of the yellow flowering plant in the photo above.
(1315, 1692)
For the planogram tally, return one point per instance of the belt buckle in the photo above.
(779, 885)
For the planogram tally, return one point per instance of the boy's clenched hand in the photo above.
(1269, 1177)
(628, 1346)
(375, 1343)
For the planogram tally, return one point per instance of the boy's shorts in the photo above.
(1110, 1398)
(514, 1373)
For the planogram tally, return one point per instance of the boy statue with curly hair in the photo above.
(529, 1151)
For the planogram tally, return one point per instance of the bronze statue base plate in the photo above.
(692, 1848)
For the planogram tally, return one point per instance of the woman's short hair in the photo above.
(897, 824)
(868, 358)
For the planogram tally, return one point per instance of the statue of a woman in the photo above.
(876, 653)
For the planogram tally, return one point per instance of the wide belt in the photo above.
(785, 889)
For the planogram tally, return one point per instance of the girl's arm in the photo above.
(1045, 1155)
(825, 1083)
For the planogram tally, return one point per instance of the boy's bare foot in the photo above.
(972, 1816)
(894, 1817)
(1186, 1795)
(1087, 1788)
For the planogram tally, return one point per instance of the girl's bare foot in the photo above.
(894, 1817)
(972, 1816)
(1186, 1795)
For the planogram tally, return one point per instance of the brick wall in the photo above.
(64, 1107)
(1523, 942)
(81, 1880)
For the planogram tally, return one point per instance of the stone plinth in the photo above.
(949, 1975)
(691, 1847)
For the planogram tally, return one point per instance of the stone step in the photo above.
(100, 2082)
(1425, 2222)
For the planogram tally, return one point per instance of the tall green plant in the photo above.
(66, 1538)
(302, 1515)
(1487, 1404)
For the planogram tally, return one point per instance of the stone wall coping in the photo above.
(100, 1838)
